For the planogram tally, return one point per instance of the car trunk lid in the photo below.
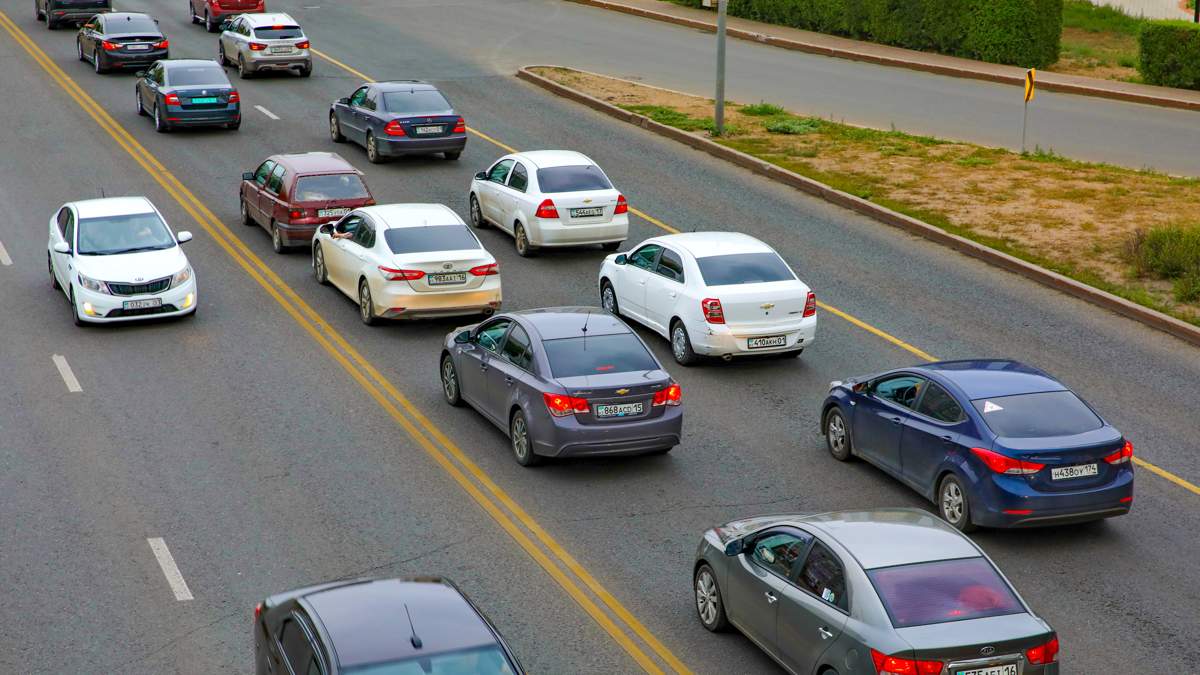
(1072, 458)
(751, 308)
(617, 397)
(994, 641)
(589, 207)
(426, 126)
(203, 97)
(444, 271)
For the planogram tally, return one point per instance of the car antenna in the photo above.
(102, 195)
(416, 641)
(586, 318)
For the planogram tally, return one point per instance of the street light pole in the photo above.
(719, 114)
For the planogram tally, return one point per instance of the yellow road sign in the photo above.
(1030, 77)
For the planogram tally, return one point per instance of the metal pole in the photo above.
(1196, 18)
(719, 115)
(1024, 124)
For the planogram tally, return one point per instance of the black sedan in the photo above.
(377, 627)
(401, 117)
(121, 40)
(188, 93)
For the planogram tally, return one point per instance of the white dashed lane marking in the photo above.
(266, 112)
(169, 569)
(68, 377)
(4, 259)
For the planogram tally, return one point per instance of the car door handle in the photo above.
(948, 439)
(825, 633)
(770, 597)
(508, 380)
(671, 294)
(642, 282)
(895, 420)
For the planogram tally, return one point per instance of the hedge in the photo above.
(1169, 54)
(1019, 32)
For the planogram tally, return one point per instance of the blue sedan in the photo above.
(993, 443)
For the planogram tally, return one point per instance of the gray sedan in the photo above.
(868, 593)
(563, 382)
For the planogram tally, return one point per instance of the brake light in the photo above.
(304, 44)
(258, 611)
(712, 310)
(460, 127)
(393, 128)
(486, 270)
(172, 99)
(546, 209)
(296, 213)
(162, 45)
(234, 97)
(672, 395)
(622, 206)
(561, 405)
(1042, 654)
(400, 275)
(898, 665)
(257, 46)
(1121, 456)
(810, 305)
(280, 27)
(1005, 464)
(109, 46)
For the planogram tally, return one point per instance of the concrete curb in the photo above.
(1045, 81)
(1154, 319)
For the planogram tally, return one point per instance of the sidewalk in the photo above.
(829, 45)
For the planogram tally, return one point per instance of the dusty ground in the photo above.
(1109, 56)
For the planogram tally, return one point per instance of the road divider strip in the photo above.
(166, 562)
(64, 370)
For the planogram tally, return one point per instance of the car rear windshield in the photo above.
(133, 24)
(278, 32)
(123, 234)
(744, 268)
(622, 353)
(431, 238)
(415, 101)
(188, 76)
(943, 591)
(329, 187)
(1049, 413)
(488, 660)
(572, 178)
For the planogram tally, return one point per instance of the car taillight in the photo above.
(810, 305)
(162, 44)
(561, 405)
(257, 46)
(546, 209)
(172, 99)
(622, 206)
(486, 270)
(672, 395)
(1042, 654)
(1005, 464)
(303, 44)
(234, 97)
(258, 611)
(460, 127)
(898, 665)
(1121, 456)
(296, 213)
(400, 275)
(393, 128)
(712, 310)
(110, 46)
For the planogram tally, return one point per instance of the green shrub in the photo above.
(1169, 54)
(762, 110)
(1168, 252)
(793, 125)
(1187, 287)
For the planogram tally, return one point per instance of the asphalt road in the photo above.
(242, 442)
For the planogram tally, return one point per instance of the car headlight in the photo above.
(181, 276)
(93, 285)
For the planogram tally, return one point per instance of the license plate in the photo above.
(329, 213)
(588, 212)
(281, 50)
(205, 99)
(770, 341)
(1065, 472)
(425, 131)
(619, 409)
(138, 48)
(447, 279)
(142, 304)
(1006, 669)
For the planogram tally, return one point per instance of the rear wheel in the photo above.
(477, 220)
(96, 64)
(608, 299)
(953, 505)
(192, 13)
(319, 269)
(521, 240)
(522, 444)
(51, 24)
(306, 71)
(681, 345)
(277, 239)
(234, 125)
(710, 607)
(335, 129)
(366, 306)
(210, 25)
(160, 125)
(243, 72)
(373, 155)
(837, 435)
(611, 246)
(450, 381)
(452, 155)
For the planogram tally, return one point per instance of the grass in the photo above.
(1098, 41)
(762, 110)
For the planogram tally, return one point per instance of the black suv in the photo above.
(56, 12)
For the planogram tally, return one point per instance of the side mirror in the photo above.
(140, 73)
(247, 175)
(482, 175)
(621, 259)
(735, 547)
(62, 247)
(463, 338)
(344, 100)
(861, 388)
(183, 236)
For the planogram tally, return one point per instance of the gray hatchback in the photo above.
(563, 382)
(891, 591)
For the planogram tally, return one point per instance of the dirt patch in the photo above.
(1105, 55)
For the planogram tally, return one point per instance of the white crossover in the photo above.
(117, 259)
(259, 42)
(407, 260)
(712, 293)
(550, 198)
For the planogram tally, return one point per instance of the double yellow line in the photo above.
(550, 555)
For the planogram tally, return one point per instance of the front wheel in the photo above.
(837, 435)
(37, 10)
(710, 607)
(335, 129)
(53, 277)
(608, 299)
(681, 345)
(319, 269)
(953, 505)
(76, 317)
(78, 49)
(366, 306)
(450, 382)
(522, 444)
(247, 220)
(221, 54)
(477, 220)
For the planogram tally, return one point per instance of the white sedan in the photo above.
(712, 293)
(550, 198)
(407, 260)
(117, 260)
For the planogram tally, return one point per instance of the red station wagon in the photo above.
(292, 195)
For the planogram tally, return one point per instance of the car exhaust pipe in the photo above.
(727, 357)
(489, 311)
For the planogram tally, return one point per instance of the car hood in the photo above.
(132, 267)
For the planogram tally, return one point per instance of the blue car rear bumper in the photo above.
(1009, 501)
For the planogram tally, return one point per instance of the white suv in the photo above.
(258, 42)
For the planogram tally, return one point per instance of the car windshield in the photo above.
(572, 178)
(123, 234)
(189, 76)
(329, 187)
(133, 24)
(415, 101)
(621, 353)
(1049, 413)
(431, 238)
(943, 591)
(744, 268)
(488, 660)
(278, 32)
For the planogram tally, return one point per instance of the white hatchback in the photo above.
(117, 260)
(406, 261)
(550, 198)
(712, 293)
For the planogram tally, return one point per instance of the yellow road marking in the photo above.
(1163, 473)
(654, 221)
(875, 331)
(326, 336)
(341, 65)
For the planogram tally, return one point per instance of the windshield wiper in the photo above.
(137, 249)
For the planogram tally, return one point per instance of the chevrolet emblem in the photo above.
(622, 392)
(767, 305)
(587, 201)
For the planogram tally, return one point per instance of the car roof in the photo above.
(270, 19)
(987, 378)
(888, 537)
(545, 159)
(391, 216)
(553, 323)
(404, 85)
(369, 622)
(315, 162)
(704, 244)
(112, 206)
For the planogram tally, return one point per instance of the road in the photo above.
(249, 440)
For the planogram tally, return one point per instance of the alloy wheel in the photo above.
(372, 149)
(707, 602)
(608, 299)
(276, 239)
(334, 132)
(449, 380)
(952, 502)
(96, 61)
(365, 308)
(520, 438)
(679, 343)
(319, 264)
(476, 214)
(837, 434)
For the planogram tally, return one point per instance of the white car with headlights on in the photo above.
(712, 293)
(550, 198)
(404, 261)
(117, 259)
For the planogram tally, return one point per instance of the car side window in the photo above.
(824, 576)
(939, 404)
(69, 231)
(901, 390)
(780, 551)
(364, 236)
(519, 180)
(63, 214)
(369, 102)
(517, 350)
(499, 172)
(160, 75)
(349, 224)
(491, 335)
(645, 256)
(296, 647)
(264, 172)
(358, 96)
(276, 179)
(670, 265)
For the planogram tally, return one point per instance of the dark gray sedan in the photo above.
(401, 117)
(563, 382)
(121, 40)
(868, 593)
(187, 93)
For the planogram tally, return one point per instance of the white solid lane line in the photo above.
(169, 569)
(4, 259)
(68, 377)
(266, 112)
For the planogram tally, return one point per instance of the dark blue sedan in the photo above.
(401, 117)
(187, 93)
(992, 443)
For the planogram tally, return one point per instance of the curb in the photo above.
(936, 68)
(1152, 318)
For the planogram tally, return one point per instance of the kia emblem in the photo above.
(987, 651)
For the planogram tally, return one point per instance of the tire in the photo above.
(208, 23)
(792, 354)
(78, 49)
(51, 24)
(366, 306)
(137, 95)
(247, 219)
(611, 246)
(53, 279)
(243, 72)
(450, 382)
(160, 125)
(221, 54)
(521, 241)
(306, 72)
(335, 129)
(452, 155)
(837, 436)
(277, 239)
(37, 10)
(953, 505)
(96, 64)
(681, 345)
(192, 12)
(373, 155)
(710, 606)
(234, 126)
(519, 441)
(319, 270)
(75, 317)
(608, 299)
(477, 220)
